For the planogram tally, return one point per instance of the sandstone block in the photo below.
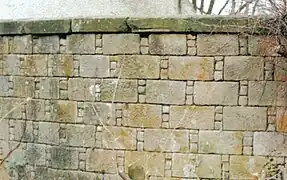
(49, 88)
(221, 142)
(46, 44)
(63, 158)
(142, 115)
(204, 166)
(166, 141)
(281, 119)
(23, 86)
(4, 45)
(35, 110)
(195, 117)
(119, 90)
(81, 43)
(244, 167)
(11, 64)
(165, 92)
(4, 130)
(191, 68)
(105, 113)
(269, 143)
(62, 65)
(119, 138)
(138, 66)
(7, 105)
(244, 118)
(101, 160)
(217, 44)
(243, 68)
(262, 45)
(48, 133)
(4, 86)
(121, 44)
(21, 44)
(223, 93)
(281, 64)
(63, 111)
(23, 128)
(34, 65)
(80, 135)
(81, 89)
(152, 163)
(94, 65)
(267, 93)
(167, 44)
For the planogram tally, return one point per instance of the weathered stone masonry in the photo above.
(166, 99)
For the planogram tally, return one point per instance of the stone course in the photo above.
(156, 98)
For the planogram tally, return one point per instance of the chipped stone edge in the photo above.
(208, 24)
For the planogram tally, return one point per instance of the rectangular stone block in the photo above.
(138, 66)
(244, 118)
(7, 105)
(94, 65)
(281, 119)
(101, 160)
(23, 86)
(35, 110)
(4, 130)
(99, 113)
(164, 140)
(220, 142)
(63, 158)
(118, 90)
(243, 68)
(165, 92)
(63, 111)
(4, 86)
(49, 88)
(262, 45)
(81, 44)
(280, 73)
(61, 65)
(46, 44)
(194, 117)
(217, 44)
(245, 167)
(23, 130)
(11, 64)
(34, 65)
(150, 162)
(20, 44)
(4, 44)
(81, 89)
(48, 133)
(191, 68)
(267, 93)
(269, 143)
(167, 44)
(119, 138)
(121, 43)
(141, 115)
(204, 166)
(216, 93)
(80, 135)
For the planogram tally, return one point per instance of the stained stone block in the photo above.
(142, 115)
(4, 86)
(21, 44)
(262, 45)
(35, 110)
(94, 65)
(48, 133)
(35, 65)
(101, 160)
(62, 65)
(165, 92)
(4, 130)
(81, 44)
(80, 135)
(46, 44)
(23, 128)
(191, 68)
(220, 142)
(7, 105)
(121, 44)
(166, 140)
(81, 89)
(98, 113)
(195, 117)
(63, 158)
(23, 86)
(49, 88)
(11, 64)
(63, 111)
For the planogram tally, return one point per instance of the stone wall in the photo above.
(160, 99)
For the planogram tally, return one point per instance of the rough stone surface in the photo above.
(35, 110)
(99, 113)
(63, 111)
(217, 44)
(223, 93)
(11, 65)
(194, 117)
(81, 89)
(62, 65)
(101, 160)
(81, 43)
(244, 118)
(4, 86)
(34, 65)
(48, 133)
(204, 166)
(121, 44)
(20, 44)
(49, 88)
(243, 68)
(46, 44)
(191, 68)
(165, 92)
(170, 44)
(135, 66)
(262, 45)
(94, 66)
(220, 142)
(245, 167)
(23, 86)
(63, 158)
(80, 135)
(166, 141)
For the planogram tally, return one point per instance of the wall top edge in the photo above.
(202, 24)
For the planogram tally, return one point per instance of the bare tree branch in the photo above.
(233, 4)
(223, 7)
(194, 5)
(211, 5)
(254, 7)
